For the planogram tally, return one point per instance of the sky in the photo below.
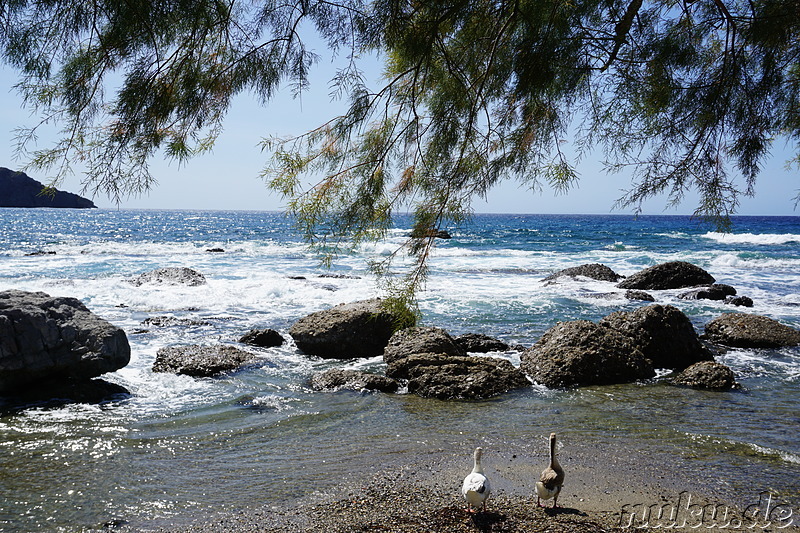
(228, 177)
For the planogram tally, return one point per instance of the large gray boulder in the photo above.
(594, 271)
(171, 276)
(580, 353)
(662, 333)
(706, 375)
(201, 361)
(671, 275)
(420, 339)
(44, 338)
(346, 331)
(750, 331)
(448, 377)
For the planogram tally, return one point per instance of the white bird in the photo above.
(552, 478)
(476, 487)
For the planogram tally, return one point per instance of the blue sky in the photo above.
(228, 177)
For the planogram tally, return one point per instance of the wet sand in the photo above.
(617, 491)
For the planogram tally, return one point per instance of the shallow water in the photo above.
(179, 446)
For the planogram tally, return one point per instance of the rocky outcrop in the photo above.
(358, 329)
(263, 338)
(420, 339)
(594, 271)
(662, 333)
(336, 378)
(480, 343)
(19, 190)
(434, 365)
(171, 276)
(44, 338)
(672, 275)
(201, 361)
(742, 330)
(446, 377)
(707, 375)
(582, 353)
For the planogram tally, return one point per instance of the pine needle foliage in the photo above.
(689, 95)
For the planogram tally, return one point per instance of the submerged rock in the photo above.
(671, 275)
(201, 361)
(582, 353)
(447, 377)
(336, 378)
(707, 375)
(43, 338)
(742, 330)
(353, 330)
(662, 333)
(171, 276)
(264, 338)
(594, 271)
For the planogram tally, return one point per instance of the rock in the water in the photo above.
(358, 329)
(264, 338)
(715, 291)
(662, 333)
(17, 189)
(631, 294)
(59, 392)
(582, 353)
(431, 232)
(741, 301)
(201, 361)
(672, 275)
(171, 276)
(707, 375)
(593, 271)
(44, 338)
(336, 378)
(449, 377)
(172, 321)
(420, 339)
(750, 331)
(480, 343)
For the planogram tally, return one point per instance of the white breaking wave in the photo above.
(752, 238)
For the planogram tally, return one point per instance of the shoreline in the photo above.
(601, 493)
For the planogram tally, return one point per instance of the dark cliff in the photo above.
(19, 190)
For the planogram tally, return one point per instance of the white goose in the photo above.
(552, 478)
(476, 487)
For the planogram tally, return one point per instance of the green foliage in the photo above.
(688, 95)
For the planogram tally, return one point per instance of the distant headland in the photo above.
(17, 189)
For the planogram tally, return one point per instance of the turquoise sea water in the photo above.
(180, 446)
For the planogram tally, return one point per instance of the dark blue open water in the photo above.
(180, 446)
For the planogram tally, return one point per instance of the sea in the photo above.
(179, 447)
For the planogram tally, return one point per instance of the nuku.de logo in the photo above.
(687, 515)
